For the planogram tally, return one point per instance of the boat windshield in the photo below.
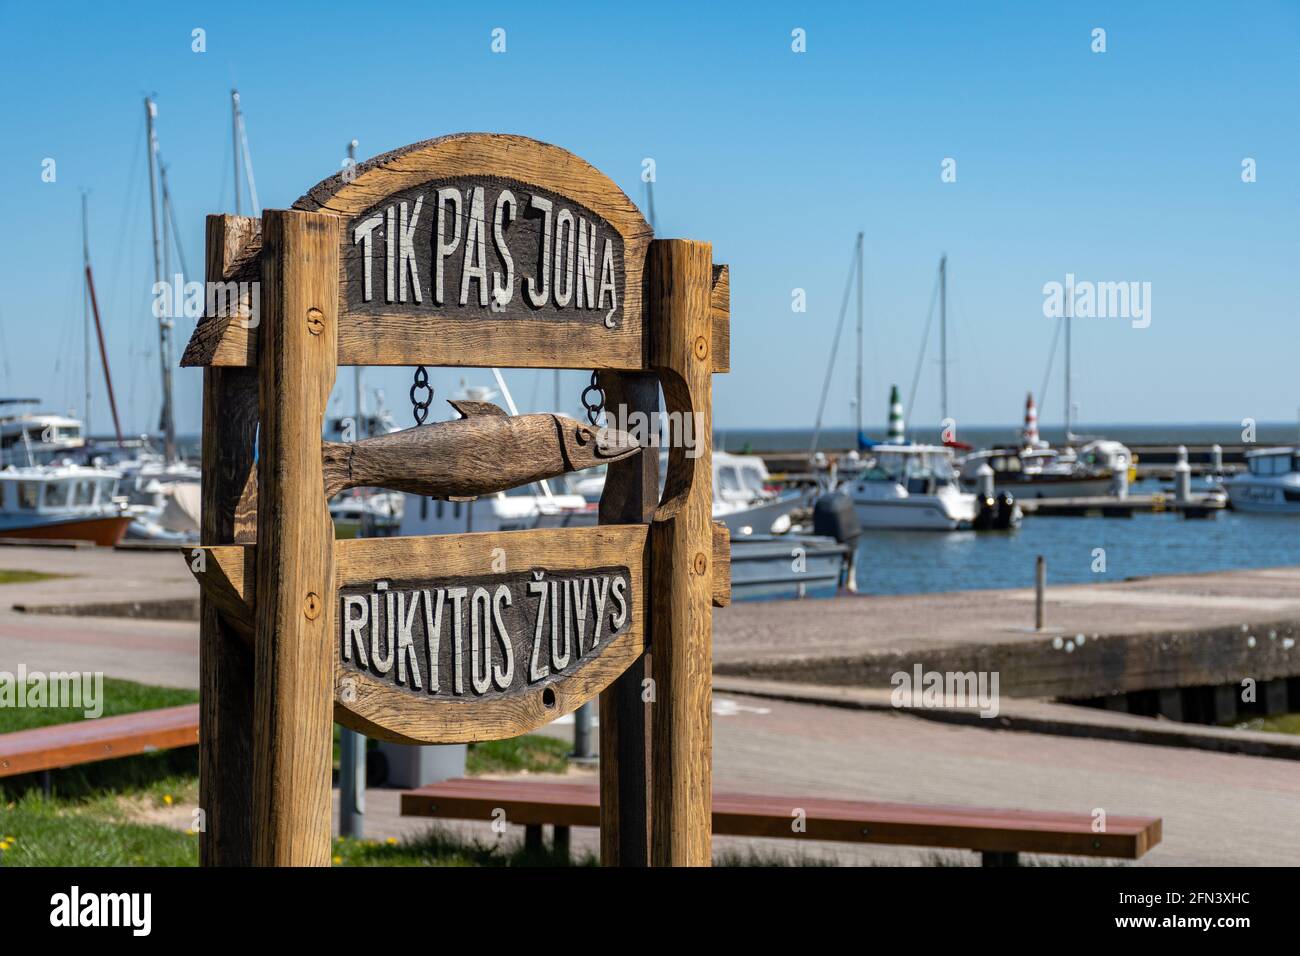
(1278, 464)
(56, 494)
(900, 466)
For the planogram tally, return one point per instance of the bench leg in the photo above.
(998, 858)
(46, 785)
(560, 843)
(533, 838)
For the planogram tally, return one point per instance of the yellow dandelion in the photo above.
(391, 841)
(338, 860)
(167, 799)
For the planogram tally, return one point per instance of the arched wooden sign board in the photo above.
(510, 252)
(468, 250)
(473, 654)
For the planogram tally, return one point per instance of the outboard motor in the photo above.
(1009, 513)
(835, 516)
(986, 513)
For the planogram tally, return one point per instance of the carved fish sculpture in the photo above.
(482, 453)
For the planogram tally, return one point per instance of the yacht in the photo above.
(63, 502)
(1048, 473)
(1033, 469)
(743, 498)
(34, 437)
(910, 487)
(1271, 482)
(518, 509)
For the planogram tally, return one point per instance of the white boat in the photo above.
(1039, 473)
(1271, 482)
(911, 487)
(28, 438)
(519, 509)
(1033, 469)
(62, 502)
(742, 497)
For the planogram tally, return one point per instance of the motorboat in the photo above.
(30, 438)
(905, 486)
(62, 502)
(743, 497)
(1270, 483)
(1033, 469)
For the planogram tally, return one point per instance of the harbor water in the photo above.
(912, 562)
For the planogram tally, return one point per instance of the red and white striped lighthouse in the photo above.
(1030, 433)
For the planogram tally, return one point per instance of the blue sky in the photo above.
(1115, 166)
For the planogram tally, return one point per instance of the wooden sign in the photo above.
(469, 250)
(483, 249)
(484, 637)
(432, 645)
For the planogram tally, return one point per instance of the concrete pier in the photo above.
(1178, 631)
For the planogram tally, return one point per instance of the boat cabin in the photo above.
(1273, 462)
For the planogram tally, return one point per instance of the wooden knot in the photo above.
(311, 606)
(701, 562)
(348, 691)
(315, 321)
(701, 348)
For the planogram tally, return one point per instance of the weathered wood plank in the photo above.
(226, 673)
(721, 565)
(226, 336)
(295, 552)
(679, 279)
(630, 496)
(720, 317)
(227, 578)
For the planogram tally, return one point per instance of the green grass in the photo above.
(531, 753)
(1280, 724)
(95, 832)
(24, 577)
(440, 846)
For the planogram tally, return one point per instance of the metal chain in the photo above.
(593, 408)
(421, 408)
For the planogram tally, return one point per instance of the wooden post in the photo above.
(679, 282)
(630, 497)
(295, 542)
(225, 660)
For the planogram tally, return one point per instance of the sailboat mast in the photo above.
(858, 399)
(85, 312)
(164, 322)
(234, 141)
(1069, 310)
(943, 337)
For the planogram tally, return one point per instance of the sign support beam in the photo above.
(294, 699)
(630, 497)
(680, 281)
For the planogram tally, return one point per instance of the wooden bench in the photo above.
(999, 836)
(85, 741)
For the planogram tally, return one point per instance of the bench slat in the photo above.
(85, 741)
(974, 828)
